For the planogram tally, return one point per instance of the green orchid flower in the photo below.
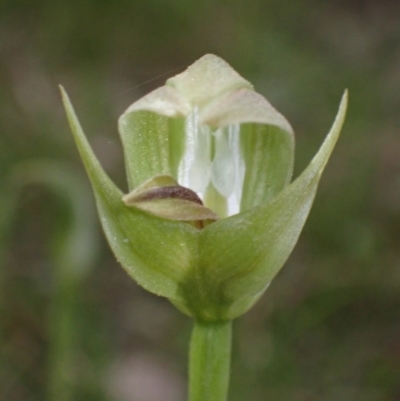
(210, 215)
(229, 155)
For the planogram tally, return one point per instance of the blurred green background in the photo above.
(73, 325)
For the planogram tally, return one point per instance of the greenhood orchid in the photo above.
(210, 215)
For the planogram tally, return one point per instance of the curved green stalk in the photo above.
(209, 365)
(73, 250)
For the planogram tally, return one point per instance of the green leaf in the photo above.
(240, 255)
(157, 253)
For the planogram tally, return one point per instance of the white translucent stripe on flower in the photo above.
(223, 169)
(188, 156)
(239, 168)
(195, 168)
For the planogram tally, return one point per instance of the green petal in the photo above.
(240, 255)
(206, 79)
(266, 139)
(268, 152)
(242, 106)
(152, 131)
(157, 253)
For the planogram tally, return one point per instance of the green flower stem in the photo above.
(209, 365)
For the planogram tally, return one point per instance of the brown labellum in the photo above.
(164, 197)
(176, 191)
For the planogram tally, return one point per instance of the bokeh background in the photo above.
(73, 325)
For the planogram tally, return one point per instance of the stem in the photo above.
(209, 366)
(63, 342)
